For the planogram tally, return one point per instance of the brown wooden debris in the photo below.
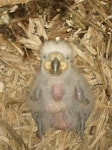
(12, 2)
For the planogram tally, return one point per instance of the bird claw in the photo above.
(81, 126)
(38, 120)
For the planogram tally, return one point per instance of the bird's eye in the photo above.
(44, 56)
(67, 57)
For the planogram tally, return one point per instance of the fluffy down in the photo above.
(60, 97)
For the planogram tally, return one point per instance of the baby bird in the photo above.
(60, 97)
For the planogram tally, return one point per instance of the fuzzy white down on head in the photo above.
(56, 46)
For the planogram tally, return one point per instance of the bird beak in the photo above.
(56, 64)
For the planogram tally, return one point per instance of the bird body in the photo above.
(60, 97)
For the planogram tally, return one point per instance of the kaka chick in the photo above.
(60, 97)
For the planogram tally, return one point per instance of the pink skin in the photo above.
(57, 92)
(60, 123)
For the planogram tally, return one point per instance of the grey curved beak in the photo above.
(55, 65)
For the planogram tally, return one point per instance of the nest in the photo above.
(24, 25)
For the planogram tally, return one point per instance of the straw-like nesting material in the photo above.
(87, 26)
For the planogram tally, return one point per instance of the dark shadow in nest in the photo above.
(50, 7)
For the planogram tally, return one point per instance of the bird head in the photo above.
(56, 57)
